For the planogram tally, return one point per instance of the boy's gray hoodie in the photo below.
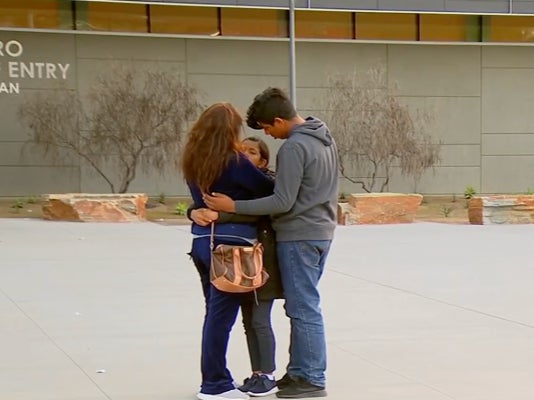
(304, 203)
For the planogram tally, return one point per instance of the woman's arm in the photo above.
(204, 216)
(250, 177)
(236, 218)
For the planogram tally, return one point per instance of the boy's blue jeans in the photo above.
(301, 266)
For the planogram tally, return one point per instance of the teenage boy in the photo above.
(303, 210)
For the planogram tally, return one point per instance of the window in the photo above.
(508, 29)
(42, 14)
(184, 20)
(121, 17)
(324, 25)
(254, 22)
(386, 26)
(453, 28)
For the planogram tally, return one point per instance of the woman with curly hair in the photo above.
(212, 162)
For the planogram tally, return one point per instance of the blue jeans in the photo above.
(301, 266)
(221, 313)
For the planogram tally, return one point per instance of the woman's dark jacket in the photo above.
(267, 237)
(240, 179)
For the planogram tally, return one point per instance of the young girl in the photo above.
(257, 315)
(256, 308)
(215, 137)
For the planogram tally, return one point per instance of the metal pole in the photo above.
(292, 83)
(510, 7)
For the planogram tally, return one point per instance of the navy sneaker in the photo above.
(248, 382)
(300, 388)
(261, 386)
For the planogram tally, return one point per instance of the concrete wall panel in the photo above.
(460, 155)
(130, 48)
(508, 144)
(454, 120)
(442, 180)
(507, 57)
(456, 161)
(12, 129)
(22, 155)
(435, 70)
(92, 69)
(311, 99)
(236, 89)
(168, 183)
(316, 61)
(237, 57)
(507, 174)
(508, 96)
(34, 181)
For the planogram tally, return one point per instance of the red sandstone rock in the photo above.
(379, 208)
(474, 210)
(127, 207)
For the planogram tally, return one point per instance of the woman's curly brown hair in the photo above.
(211, 143)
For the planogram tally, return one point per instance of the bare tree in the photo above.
(375, 132)
(129, 121)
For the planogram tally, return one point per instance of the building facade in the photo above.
(470, 63)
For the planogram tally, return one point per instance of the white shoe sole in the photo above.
(272, 391)
(204, 396)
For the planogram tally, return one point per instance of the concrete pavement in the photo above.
(416, 312)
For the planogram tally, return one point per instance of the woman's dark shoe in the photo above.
(299, 389)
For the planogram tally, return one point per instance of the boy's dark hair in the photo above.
(270, 104)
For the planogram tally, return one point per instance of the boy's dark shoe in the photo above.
(299, 389)
(284, 382)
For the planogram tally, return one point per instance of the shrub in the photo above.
(469, 192)
(375, 132)
(181, 208)
(129, 121)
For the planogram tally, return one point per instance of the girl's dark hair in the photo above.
(264, 149)
(270, 104)
(211, 143)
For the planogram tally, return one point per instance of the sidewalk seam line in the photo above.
(523, 324)
(412, 380)
(54, 343)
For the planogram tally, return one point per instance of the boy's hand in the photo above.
(219, 202)
(204, 216)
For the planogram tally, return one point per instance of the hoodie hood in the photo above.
(316, 128)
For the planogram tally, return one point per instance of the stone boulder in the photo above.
(83, 207)
(501, 209)
(379, 208)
